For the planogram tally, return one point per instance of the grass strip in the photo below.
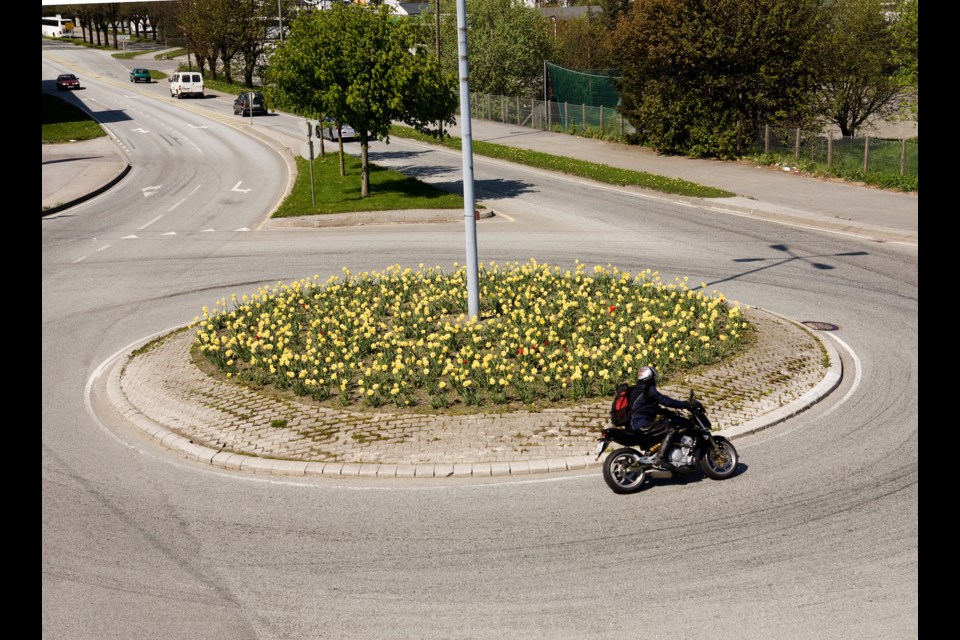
(389, 190)
(591, 170)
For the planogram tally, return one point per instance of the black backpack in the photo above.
(620, 410)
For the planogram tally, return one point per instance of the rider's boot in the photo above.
(663, 461)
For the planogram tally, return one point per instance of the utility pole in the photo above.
(280, 19)
(466, 144)
(439, 122)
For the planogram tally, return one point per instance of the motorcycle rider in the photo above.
(646, 406)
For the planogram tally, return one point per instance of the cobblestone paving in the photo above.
(164, 385)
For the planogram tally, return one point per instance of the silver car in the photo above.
(330, 132)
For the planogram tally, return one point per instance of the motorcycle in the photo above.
(694, 448)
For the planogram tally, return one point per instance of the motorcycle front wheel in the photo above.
(719, 463)
(620, 472)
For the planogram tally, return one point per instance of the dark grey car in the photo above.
(241, 105)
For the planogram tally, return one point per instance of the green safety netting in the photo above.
(592, 87)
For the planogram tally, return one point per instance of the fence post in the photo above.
(830, 150)
(796, 145)
(503, 109)
(518, 111)
(566, 116)
(583, 117)
(766, 139)
(621, 126)
(866, 153)
(601, 121)
(903, 154)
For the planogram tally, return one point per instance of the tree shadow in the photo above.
(489, 188)
(111, 116)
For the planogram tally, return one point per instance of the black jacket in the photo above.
(646, 403)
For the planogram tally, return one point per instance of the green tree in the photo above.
(906, 53)
(364, 67)
(700, 76)
(582, 43)
(507, 43)
(613, 10)
(196, 22)
(858, 73)
(251, 26)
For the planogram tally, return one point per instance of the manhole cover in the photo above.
(820, 326)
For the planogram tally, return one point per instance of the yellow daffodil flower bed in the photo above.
(401, 337)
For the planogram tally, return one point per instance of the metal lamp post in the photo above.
(466, 135)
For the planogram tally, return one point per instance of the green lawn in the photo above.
(593, 171)
(389, 190)
(63, 122)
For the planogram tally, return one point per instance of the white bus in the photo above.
(57, 26)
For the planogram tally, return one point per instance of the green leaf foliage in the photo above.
(857, 71)
(360, 66)
(507, 42)
(700, 76)
(906, 53)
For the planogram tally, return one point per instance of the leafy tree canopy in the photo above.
(699, 76)
(507, 42)
(858, 73)
(361, 66)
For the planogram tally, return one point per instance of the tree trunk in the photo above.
(364, 174)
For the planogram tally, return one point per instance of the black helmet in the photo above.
(647, 374)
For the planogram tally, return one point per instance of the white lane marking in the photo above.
(857, 375)
(95, 375)
(141, 130)
(237, 188)
(104, 248)
(81, 259)
(150, 223)
(208, 231)
(169, 233)
(503, 215)
(130, 237)
(241, 229)
(152, 190)
(197, 126)
(180, 202)
(321, 483)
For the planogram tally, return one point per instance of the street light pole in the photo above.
(280, 19)
(439, 122)
(466, 143)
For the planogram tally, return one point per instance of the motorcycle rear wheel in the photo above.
(719, 463)
(618, 475)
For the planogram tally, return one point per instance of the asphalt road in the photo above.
(817, 537)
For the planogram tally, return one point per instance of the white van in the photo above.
(186, 84)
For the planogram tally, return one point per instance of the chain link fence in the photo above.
(561, 117)
(864, 154)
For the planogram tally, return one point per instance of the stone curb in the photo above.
(267, 466)
(822, 389)
(362, 218)
(740, 206)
